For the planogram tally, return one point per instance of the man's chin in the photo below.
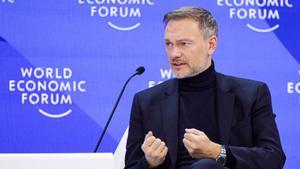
(183, 75)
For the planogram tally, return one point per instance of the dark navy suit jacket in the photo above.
(245, 120)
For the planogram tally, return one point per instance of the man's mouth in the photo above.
(178, 65)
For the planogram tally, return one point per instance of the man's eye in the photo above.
(184, 43)
(168, 44)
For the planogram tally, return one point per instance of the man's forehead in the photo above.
(182, 29)
(181, 23)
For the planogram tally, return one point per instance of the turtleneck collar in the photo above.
(202, 81)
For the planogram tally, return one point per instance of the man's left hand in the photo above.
(199, 145)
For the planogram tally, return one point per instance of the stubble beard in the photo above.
(189, 73)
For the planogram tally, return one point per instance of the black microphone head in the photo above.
(140, 70)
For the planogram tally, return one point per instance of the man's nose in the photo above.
(175, 52)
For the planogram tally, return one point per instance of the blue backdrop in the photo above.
(63, 63)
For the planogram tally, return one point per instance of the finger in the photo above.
(194, 131)
(165, 151)
(149, 134)
(156, 144)
(149, 141)
(191, 137)
(161, 148)
(187, 144)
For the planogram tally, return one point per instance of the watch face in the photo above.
(221, 160)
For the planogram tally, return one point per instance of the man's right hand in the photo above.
(154, 149)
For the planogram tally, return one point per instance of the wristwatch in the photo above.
(221, 159)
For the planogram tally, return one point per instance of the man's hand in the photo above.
(199, 145)
(155, 150)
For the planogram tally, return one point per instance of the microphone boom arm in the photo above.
(139, 71)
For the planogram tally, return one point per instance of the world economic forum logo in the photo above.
(8, 1)
(293, 87)
(253, 10)
(46, 89)
(118, 11)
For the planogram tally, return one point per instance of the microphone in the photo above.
(140, 70)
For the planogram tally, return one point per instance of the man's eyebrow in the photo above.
(189, 40)
(167, 40)
(180, 40)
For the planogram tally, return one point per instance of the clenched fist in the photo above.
(199, 145)
(154, 149)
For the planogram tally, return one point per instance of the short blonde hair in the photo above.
(207, 22)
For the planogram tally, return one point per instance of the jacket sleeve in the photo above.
(266, 151)
(135, 158)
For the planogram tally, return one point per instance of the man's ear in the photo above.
(212, 44)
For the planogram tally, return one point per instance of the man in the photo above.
(201, 119)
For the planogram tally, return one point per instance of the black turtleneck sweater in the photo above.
(197, 110)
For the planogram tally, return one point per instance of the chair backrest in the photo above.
(119, 155)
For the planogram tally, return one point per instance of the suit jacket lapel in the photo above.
(225, 108)
(169, 109)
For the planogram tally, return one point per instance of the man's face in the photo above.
(188, 51)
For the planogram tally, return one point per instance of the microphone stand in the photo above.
(139, 71)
